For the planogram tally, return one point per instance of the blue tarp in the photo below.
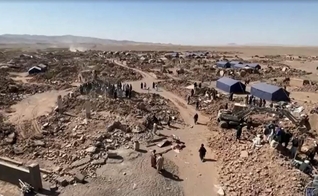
(269, 92)
(223, 64)
(235, 62)
(239, 66)
(230, 86)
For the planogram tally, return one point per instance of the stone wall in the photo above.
(12, 173)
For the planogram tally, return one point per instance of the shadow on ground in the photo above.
(170, 175)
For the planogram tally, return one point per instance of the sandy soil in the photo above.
(132, 177)
(35, 106)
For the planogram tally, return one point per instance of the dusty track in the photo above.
(199, 178)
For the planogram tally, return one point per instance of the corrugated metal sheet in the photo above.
(230, 86)
(269, 92)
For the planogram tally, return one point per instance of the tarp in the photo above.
(230, 86)
(253, 65)
(269, 92)
(235, 62)
(223, 64)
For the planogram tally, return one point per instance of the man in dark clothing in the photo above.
(195, 85)
(115, 94)
(153, 85)
(153, 159)
(189, 99)
(311, 153)
(196, 117)
(226, 106)
(239, 132)
(250, 100)
(231, 97)
(155, 119)
(202, 152)
(264, 103)
(286, 138)
(200, 85)
(141, 85)
(260, 103)
(294, 148)
(197, 104)
(169, 120)
(192, 92)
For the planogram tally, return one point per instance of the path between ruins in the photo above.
(199, 178)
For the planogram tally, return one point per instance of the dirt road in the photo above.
(198, 178)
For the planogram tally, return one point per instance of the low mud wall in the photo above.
(12, 173)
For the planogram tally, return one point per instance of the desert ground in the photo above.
(81, 133)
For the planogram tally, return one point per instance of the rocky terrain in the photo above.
(72, 146)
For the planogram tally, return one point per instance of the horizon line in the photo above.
(171, 44)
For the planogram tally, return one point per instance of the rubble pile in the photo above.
(176, 86)
(262, 171)
(63, 65)
(138, 106)
(12, 91)
(7, 132)
(67, 138)
(306, 88)
(111, 70)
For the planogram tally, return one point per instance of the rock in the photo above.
(12, 138)
(70, 179)
(57, 169)
(113, 126)
(99, 162)
(45, 126)
(91, 149)
(18, 150)
(53, 188)
(137, 129)
(81, 162)
(244, 154)
(112, 154)
(220, 192)
(79, 177)
(38, 143)
(99, 144)
(61, 181)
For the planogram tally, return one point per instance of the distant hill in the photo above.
(63, 40)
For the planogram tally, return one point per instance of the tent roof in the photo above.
(235, 62)
(228, 81)
(35, 67)
(222, 62)
(252, 64)
(266, 87)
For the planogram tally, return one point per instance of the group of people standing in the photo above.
(112, 90)
(157, 161)
(143, 85)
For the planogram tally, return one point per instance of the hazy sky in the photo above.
(178, 22)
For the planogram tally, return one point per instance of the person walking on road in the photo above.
(202, 152)
(239, 132)
(197, 104)
(196, 117)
